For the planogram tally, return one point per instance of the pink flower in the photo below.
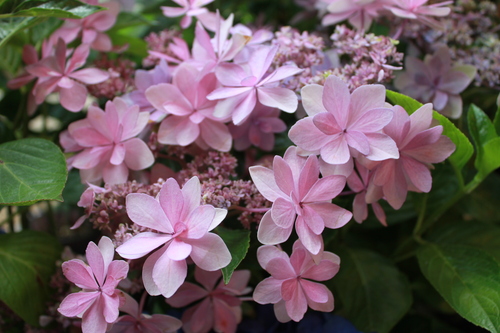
(97, 304)
(299, 198)
(191, 8)
(436, 80)
(54, 74)
(91, 28)
(416, 10)
(182, 226)
(258, 129)
(361, 182)
(419, 146)
(189, 112)
(137, 322)
(110, 144)
(360, 13)
(289, 287)
(219, 309)
(243, 86)
(340, 124)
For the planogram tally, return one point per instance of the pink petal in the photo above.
(281, 313)
(281, 73)
(264, 180)
(336, 151)
(382, 147)
(203, 322)
(118, 154)
(178, 250)
(333, 216)
(277, 97)
(168, 274)
(78, 59)
(308, 176)
(90, 158)
(267, 252)
(90, 75)
(280, 269)
(227, 92)
(96, 261)
(314, 291)
(230, 74)
(336, 99)
(313, 220)
(191, 192)
(208, 279)
(97, 119)
(283, 213)
(324, 307)
(145, 211)
(73, 99)
(138, 155)
(261, 58)
(434, 153)
(199, 221)
(118, 270)
(244, 107)
(311, 241)
(210, 252)
(268, 291)
(76, 304)
(172, 201)
(93, 319)
(295, 300)
(312, 99)
(142, 244)
(325, 270)
(307, 136)
(283, 175)
(216, 135)
(358, 141)
(366, 98)
(238, 283)
(110, 305)
(225, 319)
(325, 189)
(186, 294)
(418, 173)
(80, 274)
(270, 233)
(147, 272)
(372, 120)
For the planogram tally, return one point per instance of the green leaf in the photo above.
(71, 9)
(27, 261)
(464, 148)
(238, 242)
(496, 120)
(480, 127)
(31, 170)
(408, 103)
(490, 159)
(373, 293)
(468, 279)
(11, 26)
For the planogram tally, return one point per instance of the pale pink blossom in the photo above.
(137, 322)
(417, 10)
(289, 287)
(258, 129)
(245, 85)
(436, 80)
(97, 304)
(420, 145)
(91, 28)
(182, 228)
(220, 307)
(189, 113)
(299, 198)
(359, 13)
(55, 75)
(341, 125)
(110, 142)
(190, 9)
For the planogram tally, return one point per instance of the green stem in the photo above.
(421, 217)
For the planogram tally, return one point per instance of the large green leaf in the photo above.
(72, 9)
(468, 278)
(480, 126)
(464, 148)
(27, 261)
(11, 26)
(31, 170)
(496, 120)
(373, 293)
(237, 242)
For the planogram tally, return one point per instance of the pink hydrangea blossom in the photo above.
(289, 287)
(419, 146)
(91, 28)
(190, 9)
(417, 10)
(189, 113)
(258, 129)
(220, 307)
(360, 13)
(244, 86)
(436, 80)
(181, 228)
(299, 198)
(97, 304)
(54, 74)
(110, 144)
(137, 322)
(341, 125)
